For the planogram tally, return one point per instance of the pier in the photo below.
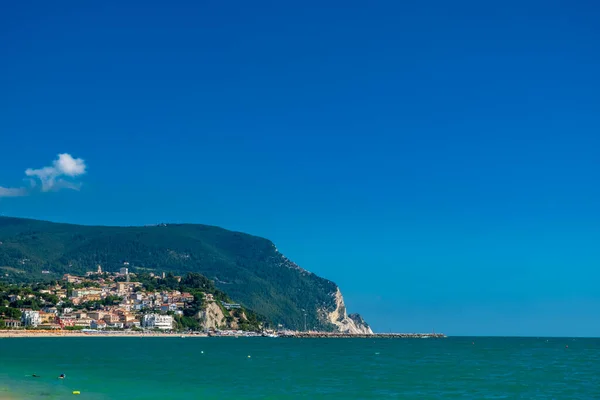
(364, 336)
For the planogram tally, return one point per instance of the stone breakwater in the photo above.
(365, 336)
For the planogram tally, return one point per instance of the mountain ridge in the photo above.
(248, 268)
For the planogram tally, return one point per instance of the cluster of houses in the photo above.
(137, 309)
(97, 319)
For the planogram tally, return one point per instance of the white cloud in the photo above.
(52, 177)
(61, 174)
(12, 192)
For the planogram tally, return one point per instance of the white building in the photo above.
(124, 271)
(87, 292)
(157, 321)
(136, 296)
(31, 318)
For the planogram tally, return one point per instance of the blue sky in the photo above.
(439, 161)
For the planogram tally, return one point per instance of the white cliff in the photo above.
(342, 321)
(212, 317)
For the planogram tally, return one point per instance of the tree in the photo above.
(170, 281)
(195, 280)
(50, 298)
(111, 300)
(10, 313)
(185, 323)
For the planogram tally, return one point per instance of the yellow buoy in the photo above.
(76, 392)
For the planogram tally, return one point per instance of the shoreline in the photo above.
(30, 334)
(11, 334)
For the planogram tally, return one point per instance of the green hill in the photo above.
(248, 268)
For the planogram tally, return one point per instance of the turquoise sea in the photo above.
(220, 368)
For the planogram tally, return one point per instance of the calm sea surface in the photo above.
(219, 368)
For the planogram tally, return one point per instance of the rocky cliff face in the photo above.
(212, 317)
(340, 319)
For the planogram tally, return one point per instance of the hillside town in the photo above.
(121, 301)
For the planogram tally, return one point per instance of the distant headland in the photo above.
(180, 276)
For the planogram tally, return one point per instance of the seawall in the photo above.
(365, 336)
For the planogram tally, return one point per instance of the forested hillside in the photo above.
(247, 268)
